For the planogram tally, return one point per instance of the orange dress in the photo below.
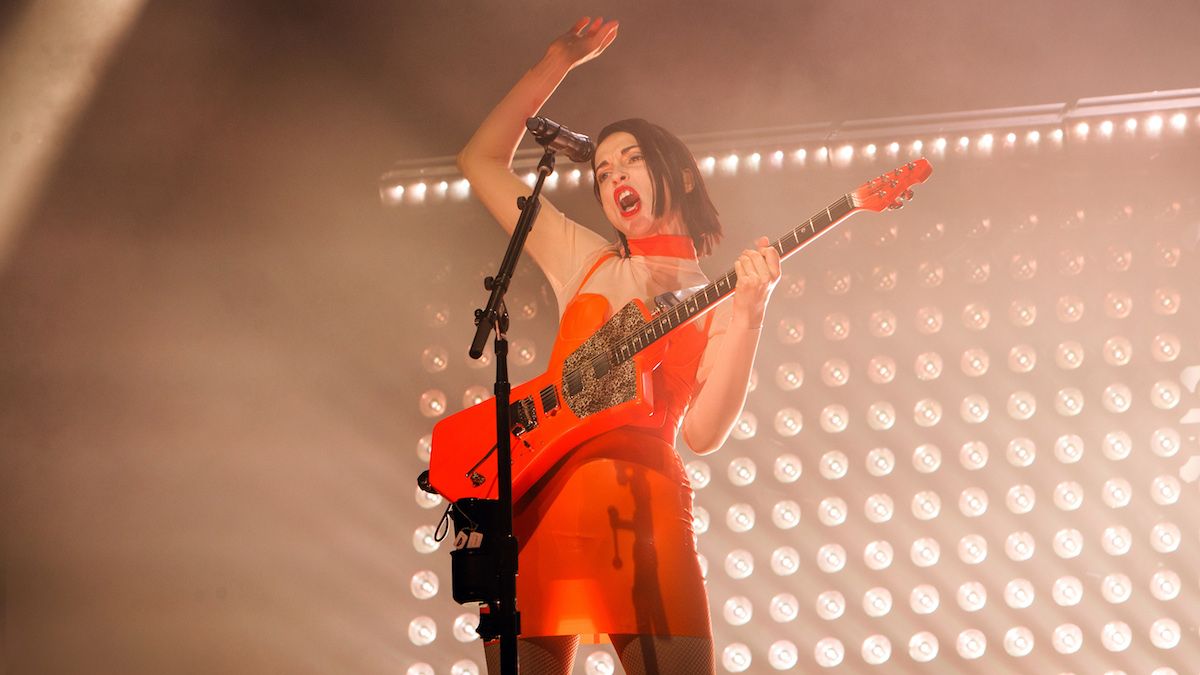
(606, 538)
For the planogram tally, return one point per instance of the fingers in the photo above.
(580, 25)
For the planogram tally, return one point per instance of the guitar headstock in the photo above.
(893, 189)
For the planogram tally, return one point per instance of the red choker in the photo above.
(667, 245)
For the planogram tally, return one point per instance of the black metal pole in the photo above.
(494, 318)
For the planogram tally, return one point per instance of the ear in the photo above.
(689, 181)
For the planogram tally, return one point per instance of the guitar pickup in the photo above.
(549, 400)
(523, 416)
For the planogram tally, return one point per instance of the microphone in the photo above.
(556, 137)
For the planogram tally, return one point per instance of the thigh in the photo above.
(664, 654)
(546, 655)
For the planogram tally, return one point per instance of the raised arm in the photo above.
(486, 161)
(725, 366)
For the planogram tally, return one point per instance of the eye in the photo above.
(602, 176)
(635, 158)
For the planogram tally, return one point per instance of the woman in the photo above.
(606, 537)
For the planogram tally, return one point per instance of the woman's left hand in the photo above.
(757, 274)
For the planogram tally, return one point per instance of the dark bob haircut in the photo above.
(667, 159)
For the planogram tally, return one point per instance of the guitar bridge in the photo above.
(522, 415)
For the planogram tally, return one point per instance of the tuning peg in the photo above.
(908, 194)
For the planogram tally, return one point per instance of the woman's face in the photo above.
(626, 189)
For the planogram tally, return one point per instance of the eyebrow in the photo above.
(623, 151)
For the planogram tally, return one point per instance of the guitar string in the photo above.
(729, 278)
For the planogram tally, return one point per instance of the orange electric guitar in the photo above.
(602, 383)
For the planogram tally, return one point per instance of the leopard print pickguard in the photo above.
(590, 394)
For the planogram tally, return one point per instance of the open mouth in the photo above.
(628, 201)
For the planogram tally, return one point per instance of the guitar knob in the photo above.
(908, 195)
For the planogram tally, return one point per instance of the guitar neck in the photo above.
(708, 297)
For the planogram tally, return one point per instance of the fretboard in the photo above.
(708, 297)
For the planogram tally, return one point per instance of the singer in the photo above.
(607, 547)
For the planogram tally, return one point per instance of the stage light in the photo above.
(972, 549)
(881, 416)
(925, 551)
(1022, 267)
(432, 403)
(729, 164)
(1165, 537)
(707, 165)
(877, 602)
(973, 455)
(836, 327)
(785, 561)
(1019, 593)
(464, 667)
(924, 599)
(1022, 358)
(800, 155)
(426, 500)
(740, 518)
(876, 649)
(1081, 130)
(1020, 499)
(1116, 588)
(1019, 546)
(600, 663)
(1166, 255)
(788, 422)
(1068, 402)
(746, 427)
(1116, 636)
(926, 505)
(424, 584)
(753, 161)
(417, 192)
(551, 181)
(1068, 543)
(1068, 448)
(882, 323)
(738, 610)
(834, 418)
(422, 631)
(1069, 308)
(881, 369)
(742, 471)
(923, 647)
(1067, 591)
(786, 514)
(424, 447)
(1154, 125)
(777, 159)
(1116, 493)
(698, 473)
(474, 395)
(831, 558)
(829, 652)
(1165, 347)
(833, 465)
(974, 409)
(1018, 641)
(963, 143)
(880, 462)
(789, 376)
(1067, 638)
(929, 320)
(1057, 136)
(985, 143)
(782, 655)
(822, 154)
(392, 194)
(879, 508)
(434, 359)
(835, 372)
(878, 556)
(1033, 137)
(788, 468)
(1117, 398)
(420, 669)
(1165, 442)
(1068, 495)
(1166, 301)
(927, 458)
(869, 151)
(739, 564)
(1116, 541)
(700, 520)
(973, 502)
(1165, 490)
(939, 145)
(1021, 452)
(1165, 633)
(1117, 351)
(789, 330)
(971, 644)
(1165, 585)
(441, 188)
(893, 149)
(972, 596)
(832, 512)
(830, 605)
(784, 608)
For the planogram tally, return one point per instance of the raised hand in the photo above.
(757, 274)
(586, 40)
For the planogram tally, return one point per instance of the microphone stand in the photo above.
(502, 618)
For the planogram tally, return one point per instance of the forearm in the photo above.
(718, 405)
(498, 136)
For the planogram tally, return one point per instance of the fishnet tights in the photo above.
(639, 654)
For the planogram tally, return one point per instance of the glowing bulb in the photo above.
(784, 608)
(831, 558)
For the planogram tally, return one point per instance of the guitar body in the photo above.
(581, 395)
